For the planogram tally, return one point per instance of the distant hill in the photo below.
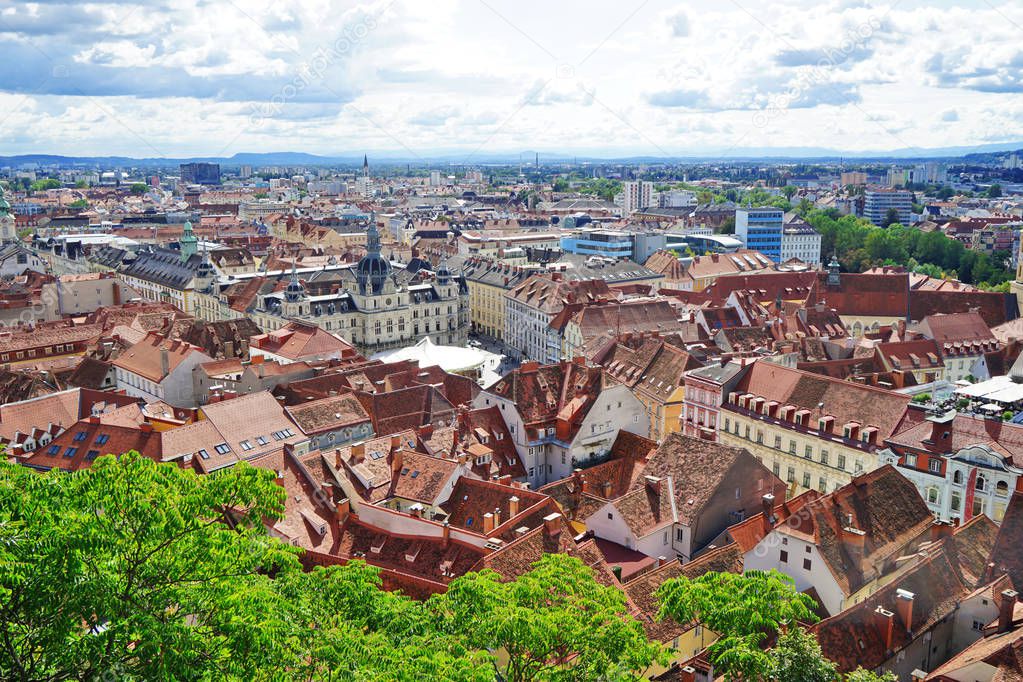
(976, 154)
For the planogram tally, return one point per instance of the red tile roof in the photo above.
(145, 357)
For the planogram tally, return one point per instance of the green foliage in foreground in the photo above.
(747, 610)
(128, 571)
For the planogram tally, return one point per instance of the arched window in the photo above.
(1002, 488)
(957, 478)
(981, 483)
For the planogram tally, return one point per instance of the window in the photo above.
(610, 515)
(807, 564)
(203, 454)
(777, 442)
(932, 495)
(792, 446)
(824, 456)
(822, 484)
(531, 472)
(806, 480)
(978, 626)
(957, 477)
(1002, 488)
(246, 445)
(808, 452)
(911, 460)
(102, 438)
(841, 462)
(91, 455)
(783, 556)
(262, 440)
(790, 475)
(760, 436)
(957, 501)
(738, 493)
(54, 449)
(981, 483)
(222, 449)
(71, 452)
(934, 465)
(80, 436)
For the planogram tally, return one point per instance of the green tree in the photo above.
(139, 188)
(789, 190)
(797, 657)
(891, 217)
(79, 203)
(127, 568)
(744, 609)
(44, 184)
(554, 623)
(727, 226)
(994, 191)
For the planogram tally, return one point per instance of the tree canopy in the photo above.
(147, 571)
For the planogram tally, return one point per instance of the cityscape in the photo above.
(486, 341)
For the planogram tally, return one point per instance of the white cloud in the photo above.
(179, 77)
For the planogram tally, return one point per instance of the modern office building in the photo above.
(877, 203)
(761, 229)
(637, 246)
(200, 173)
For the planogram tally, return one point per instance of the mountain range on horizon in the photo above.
(289, 158)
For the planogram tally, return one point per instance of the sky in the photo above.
(411, 78)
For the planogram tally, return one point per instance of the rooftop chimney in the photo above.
(552, 524)
(904, 607)
(767, 509)
(940, 529)
(885, 622)
(488, 523)
(358, 453)
(606, 488)
(1005, 609)
(397, 458)
(654, 483)
(164, 361)
(513, 506)
(344, 508)
(853, 539)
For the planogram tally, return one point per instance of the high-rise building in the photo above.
(435, 179)
(853, 178)
(200, 173)
(877, 203)
(761, 229)
(637, 194)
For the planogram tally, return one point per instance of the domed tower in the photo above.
(294, 295)
(834, 276)
(373, 270)
(7, 231)
(443, 274)
(205, 273)
(188, 242)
